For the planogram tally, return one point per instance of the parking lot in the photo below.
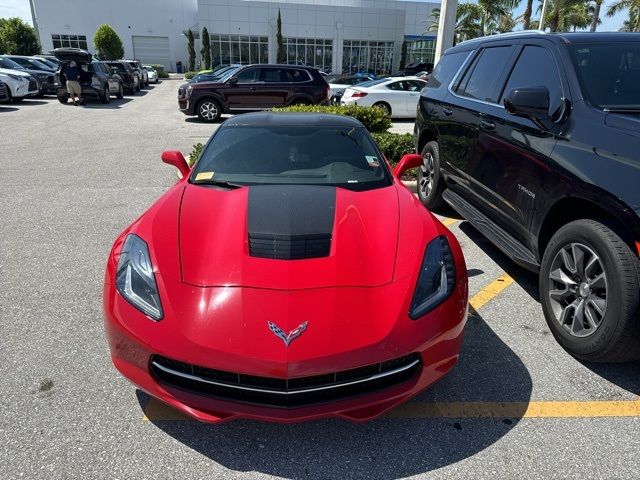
(71, 178)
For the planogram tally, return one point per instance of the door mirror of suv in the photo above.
(175, 158)
(114, 70)
(529, 102)
(232, 80)
(407, 162)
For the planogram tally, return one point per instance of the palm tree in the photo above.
(633, 23)
(565, 15)
(596, 15)
(526, 16)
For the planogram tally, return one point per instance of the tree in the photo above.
(18, 37)
(205, 51)
(108, 44)
(280, 52)
(596, 15)
(526, 16)
(632, 24)
(403, 55)
(191, 49)
(566, 15)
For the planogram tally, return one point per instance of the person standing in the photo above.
(72, 74)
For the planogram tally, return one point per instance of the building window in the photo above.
(366, 56)
(74, 41)
(421, 51)
(243, 49)
(312, 52)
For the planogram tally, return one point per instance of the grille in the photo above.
(289, 247)
(33, 85)
(285, 393)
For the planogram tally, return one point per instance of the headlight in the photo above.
(42, 76)
(17, 77)
(188, 91)
(436, 279)
(135, 279)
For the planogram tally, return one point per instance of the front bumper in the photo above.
(135, 341)
(185, 106)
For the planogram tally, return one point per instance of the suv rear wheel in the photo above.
(590, 292)
(430, 183)
(208, 110)
(106, 95)
(120, 93)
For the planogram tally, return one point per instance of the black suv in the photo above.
(253, 87)
(535, 139)
(96, 78)
(130, 79)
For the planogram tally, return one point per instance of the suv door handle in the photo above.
(487, 125)
(447, 111)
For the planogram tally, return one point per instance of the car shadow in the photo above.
(114, 103)
(4, 108)
(29, 102)
(390, 447)
(220, 120)
(624, 375)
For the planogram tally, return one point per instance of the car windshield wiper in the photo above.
(219, 183)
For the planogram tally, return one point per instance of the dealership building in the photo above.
(339, 36)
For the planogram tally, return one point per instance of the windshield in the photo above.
(118, 66)
(298, 155)
(223, 76)
(39, 64)
(10, 64)
(609, 74)
(48, 63)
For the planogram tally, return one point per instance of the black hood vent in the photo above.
(290, 222)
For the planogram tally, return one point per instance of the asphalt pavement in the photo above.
(71, 178)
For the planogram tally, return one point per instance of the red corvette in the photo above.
(288, 276)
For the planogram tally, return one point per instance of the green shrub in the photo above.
(108, 44)
(160, 69)
(195, 154)
(189, 75)
(394, 145)
(374, 119)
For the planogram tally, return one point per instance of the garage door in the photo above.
(150, 50)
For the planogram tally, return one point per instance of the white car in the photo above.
(19, 84)
(153, 75)
(397, 95)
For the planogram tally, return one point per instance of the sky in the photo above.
(20, 8)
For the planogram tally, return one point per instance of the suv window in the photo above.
(272, 75)
(250, 75)
(446, 69)
(536, 68)
(295, 75)
(481, 79)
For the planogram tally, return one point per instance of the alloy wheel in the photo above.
(209, 110)
(428, 171)
(578, 289)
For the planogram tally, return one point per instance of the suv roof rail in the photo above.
(519, 33)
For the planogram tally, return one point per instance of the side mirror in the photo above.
(232, 81)
(529, 102)
(175, 158)
(407, 162)
(114, 70)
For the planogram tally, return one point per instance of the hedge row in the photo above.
(375, 119)
(160, 69)
(189, 75)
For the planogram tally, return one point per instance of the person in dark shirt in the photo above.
(72, 74)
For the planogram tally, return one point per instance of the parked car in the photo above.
(142, 72)
(398, 96)
(413, 68)
(151, 73)
(338, 84)
(289, 237)
(97, 80)
(534, 139)
(20, 84)
(215, 74)
(253, 87)
(130, 80)
(51, 59)
(45, 76)
(4, 92)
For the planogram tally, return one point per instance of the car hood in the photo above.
(20, 73)
(72, 54)
(225, 235)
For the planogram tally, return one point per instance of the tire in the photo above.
(63, 100)
(385, 106)
(430, 182)
(608, 304)
(138, 88)
(208, 110)
(299, 101)
(120, 93)
(106, 95)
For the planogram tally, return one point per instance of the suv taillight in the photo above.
(358, 94)
(326, 91)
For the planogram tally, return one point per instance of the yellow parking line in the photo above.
(156, 411)
(489, 292)
(448, 221)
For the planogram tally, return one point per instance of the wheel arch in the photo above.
(617, 216)
(215, 98)
(426, 135)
